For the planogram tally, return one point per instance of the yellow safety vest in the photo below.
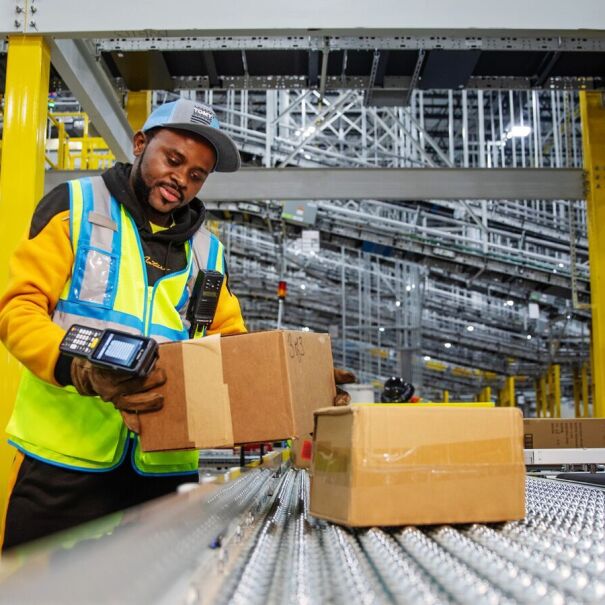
(108, 288)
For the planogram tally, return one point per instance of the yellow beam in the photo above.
(138, 107)
(21, 185)
(592, 108)
(584, 389)
(576, 391)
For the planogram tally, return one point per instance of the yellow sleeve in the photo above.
(228, 317)
(38, 272)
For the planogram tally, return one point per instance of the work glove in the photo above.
(131, 395)
(343, 377)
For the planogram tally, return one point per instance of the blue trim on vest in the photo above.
(191, 265)
(69, 467)
(144, 267)
(116, 252)
(83, 240)
(184, 298)
(70, 185)
(213, 252)
(169, 333)
(100, 312)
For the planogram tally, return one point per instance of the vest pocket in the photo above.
(60, 420)
(95, 277)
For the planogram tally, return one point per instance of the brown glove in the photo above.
(343, 377)
(126, 392)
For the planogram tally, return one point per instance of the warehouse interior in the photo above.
(421, 183)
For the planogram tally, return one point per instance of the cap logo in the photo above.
(201, 115)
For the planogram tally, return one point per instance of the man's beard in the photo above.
(141, 189)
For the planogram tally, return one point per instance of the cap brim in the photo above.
(227, 154)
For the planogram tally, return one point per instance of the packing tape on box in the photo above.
(429, 462)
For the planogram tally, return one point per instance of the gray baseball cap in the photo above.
(199, 119)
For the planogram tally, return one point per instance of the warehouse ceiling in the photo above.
(387, 69)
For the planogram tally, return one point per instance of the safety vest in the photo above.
(108, 288)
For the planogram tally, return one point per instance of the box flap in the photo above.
(196, 412)
(210, 422)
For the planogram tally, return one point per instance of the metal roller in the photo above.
(253, 541)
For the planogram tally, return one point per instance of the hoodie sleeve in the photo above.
(38, 271)
(228, 317)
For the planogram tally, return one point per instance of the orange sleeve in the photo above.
(228, 317)
(38, 272)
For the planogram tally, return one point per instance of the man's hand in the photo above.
(343, 377)
(128, 393)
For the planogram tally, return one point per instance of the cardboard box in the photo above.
(397, 465)
(196, 412)
(548, 433)
(244, 388)
(276, 381)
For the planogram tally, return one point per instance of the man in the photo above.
(121, 250)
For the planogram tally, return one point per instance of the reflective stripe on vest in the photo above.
(108, 288)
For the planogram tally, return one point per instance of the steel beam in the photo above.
(395, 184)
(21, 184)
(592, 41)
(592, 106)
(386, 184)
(77, 65)
(341, 17)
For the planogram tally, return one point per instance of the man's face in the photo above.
(170, 168)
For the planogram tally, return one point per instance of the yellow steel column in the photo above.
(21, 184)
(138, 107)
(446, 396)
(541, 384)
(592, 107)
(556, 370)
(576, 391)
(584, 389)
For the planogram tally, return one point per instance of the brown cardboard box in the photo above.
(196, 412)
(395, 465)
(276, 381)
(547, 433)
(245, 388)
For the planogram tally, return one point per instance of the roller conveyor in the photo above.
(253, 541)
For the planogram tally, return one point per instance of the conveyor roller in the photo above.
(253, 541)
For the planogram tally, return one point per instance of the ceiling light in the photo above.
(303, 287)
(305, 329)
(381, 329)
(509, 303)
(408, 288)
(470, 328)
(561, 265)
(447, 345)
(427, 358)
(398, 303)
(307, 156)
(518, 131)
(528, 337)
